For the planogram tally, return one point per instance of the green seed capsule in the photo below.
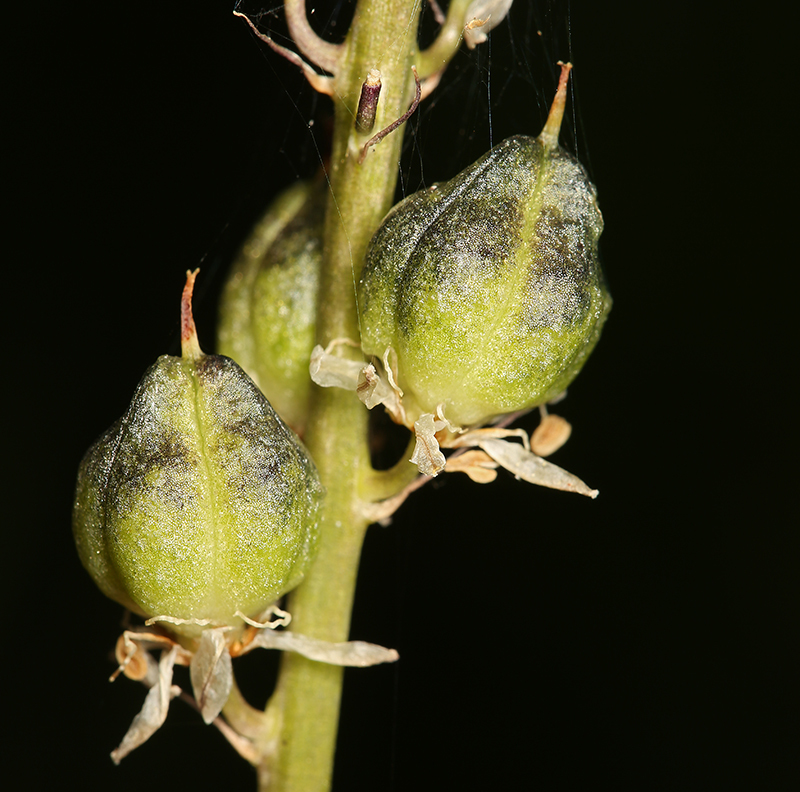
(199, 505)
(488, 287)
(268, 310)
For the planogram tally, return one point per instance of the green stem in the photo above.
(248, 721)
(438, 55)
(306, 700)
(384, 484)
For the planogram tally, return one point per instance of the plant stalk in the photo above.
(305, 705)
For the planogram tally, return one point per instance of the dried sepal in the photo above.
(211, 671)
(154, 711)
(433, 433)
(211, 674)
(467, 438)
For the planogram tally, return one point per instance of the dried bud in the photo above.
(268, 310)
(199, 505)
(488, 288)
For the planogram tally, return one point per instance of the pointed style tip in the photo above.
(552, 128)
(190, 346)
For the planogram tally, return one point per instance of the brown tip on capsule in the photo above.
(190, 346)
(551, 129)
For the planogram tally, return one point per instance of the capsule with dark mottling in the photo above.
(268, 309)
(488, 287)
(199, 504)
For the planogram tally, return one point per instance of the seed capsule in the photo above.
(488, 287)
(199, 505)
(268, 309)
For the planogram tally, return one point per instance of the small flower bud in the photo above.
(199, 506)
(268, 309)
(488, 287)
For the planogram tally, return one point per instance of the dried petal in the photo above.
(154, 711)
(348, 653)
(427, 456)
(211, 673)
(481, 17)
(331, 371)
(529, 467)
(372, 389)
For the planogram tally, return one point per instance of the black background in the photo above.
(647, 639)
